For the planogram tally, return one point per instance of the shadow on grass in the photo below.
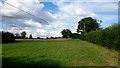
(17, 41)
(20, 63)
(11, 42)
(45, 63)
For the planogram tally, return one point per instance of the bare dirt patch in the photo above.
(42, 39)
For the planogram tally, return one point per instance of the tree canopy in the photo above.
(23, 34)
(30, 37)
(66, 33)
(87, 25)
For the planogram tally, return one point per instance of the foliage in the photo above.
(17, 36)
(47, 38)
(89, 24)
(75, 36)
(109, 37)
(66, 33)
(26, 38)
(30, 37)
(7, 37)
(23, 34)
(51, 37)
(38, 37)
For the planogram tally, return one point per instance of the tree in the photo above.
(7, 37)
(38, 37)
(17, 35)
(75, 36)
(47, 38)
(66, 33)
(87, 25)
(30, 37)
(26, 38)
(23, 34)
(51, 37)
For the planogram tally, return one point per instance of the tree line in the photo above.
(85, 25)
(7, 37)
(90, 31)
(22, 36)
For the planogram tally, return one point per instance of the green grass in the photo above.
(57, 53)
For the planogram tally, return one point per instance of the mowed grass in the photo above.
(57, 53)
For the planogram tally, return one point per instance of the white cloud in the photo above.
(93, 15)
(46, 33)
(55, 33)
(73, 10)
(79, 0)
(13, 10)
(31, 23)
(41, 32)
(70, 14)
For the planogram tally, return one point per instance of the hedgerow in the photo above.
(109, 37)
(7, 37)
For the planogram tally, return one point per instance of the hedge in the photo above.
(7, 37)
(109, 37)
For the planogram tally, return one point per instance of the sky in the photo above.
(46, 18)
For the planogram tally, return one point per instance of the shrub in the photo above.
(108, 37)
(75, 36)
(7, 37)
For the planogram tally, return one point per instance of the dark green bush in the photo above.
(109, 37)
(75, 35)
(7, 37)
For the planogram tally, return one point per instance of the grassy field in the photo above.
(57, 53)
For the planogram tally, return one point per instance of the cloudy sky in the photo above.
(46, 18)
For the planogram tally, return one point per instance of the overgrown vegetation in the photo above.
(109, 37)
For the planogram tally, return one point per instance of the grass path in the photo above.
(57, 53)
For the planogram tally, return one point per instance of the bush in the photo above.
(108, 37)
(7, 37)
(38, 37)
(75, 36)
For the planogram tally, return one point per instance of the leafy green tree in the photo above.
(66, 33)
(87, 25)
(30, 37)
(23, 34)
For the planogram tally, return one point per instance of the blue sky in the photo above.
(50, 18)
(49, 6)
